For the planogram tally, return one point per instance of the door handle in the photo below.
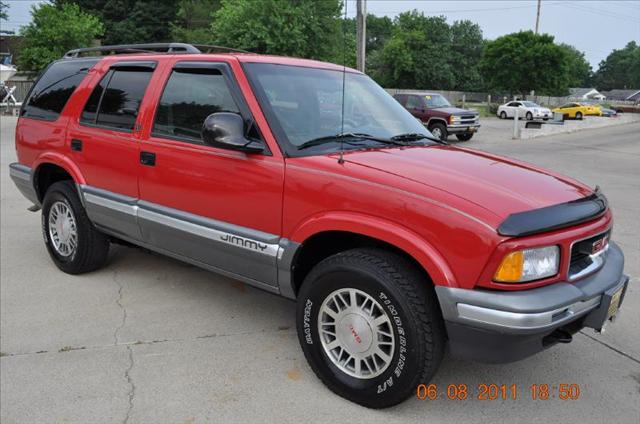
(148, 158)
(76, 145)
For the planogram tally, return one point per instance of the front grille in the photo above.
(583, 261)
(468, 119)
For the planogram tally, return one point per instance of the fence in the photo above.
(457, 97)
(23, 85)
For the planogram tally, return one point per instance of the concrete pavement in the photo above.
(151, 340)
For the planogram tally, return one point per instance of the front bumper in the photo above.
(493, 326)
(462, 128)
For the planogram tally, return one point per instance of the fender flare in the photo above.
(390, 232)
(60, 160)
(63, 162)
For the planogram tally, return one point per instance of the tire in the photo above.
(91, 247)
(439, 130)
(464, 136)
(503, 115)
(579, 115)
(400, 293)
(529, 116)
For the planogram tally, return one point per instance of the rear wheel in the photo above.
(73, 242)
(370, 326)
(439, 130)
(464, 137)
(529, 116)
(578, 115)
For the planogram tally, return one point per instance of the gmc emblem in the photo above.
(598, 245)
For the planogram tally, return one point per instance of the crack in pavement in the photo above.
(132, 392)
(150, 342)
(127, 372)
(119, 303)
(607, 345)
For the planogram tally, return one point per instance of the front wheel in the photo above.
(529, 116)
(578, 115)
(73, 242)
(503, 115)
(464, 137)
(439, 131)
(370, 326)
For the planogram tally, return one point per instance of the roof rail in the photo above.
(151, 48)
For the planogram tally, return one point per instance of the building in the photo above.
(628, 95)
(586, 94)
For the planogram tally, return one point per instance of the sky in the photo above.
(595, 27)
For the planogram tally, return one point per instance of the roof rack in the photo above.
(174, 48)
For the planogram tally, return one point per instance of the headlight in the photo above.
(454, 119)
(528, 265)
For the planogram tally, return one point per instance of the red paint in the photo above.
(441, 205)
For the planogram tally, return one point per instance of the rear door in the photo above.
(217, 208)
(104, 144)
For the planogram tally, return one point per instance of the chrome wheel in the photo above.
(356, 333)
(63, 231)
(437, 133)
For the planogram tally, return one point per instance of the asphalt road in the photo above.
(151, 340)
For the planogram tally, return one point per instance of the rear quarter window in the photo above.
(52, 90)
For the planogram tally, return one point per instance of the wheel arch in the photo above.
(50, 168)
(323, 237)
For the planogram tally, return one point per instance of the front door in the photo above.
(218, 208)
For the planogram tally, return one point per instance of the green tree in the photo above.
(303, 28)
(621, 69)
(427, 52)
(53, 31)
(578, 70)
(132, 21)
(521, 62)
(3, 11)
(193, 23)
(465, 54)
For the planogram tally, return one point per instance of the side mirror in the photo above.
(225, 130)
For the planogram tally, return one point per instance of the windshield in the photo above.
(304, 104)
(435, 101)
(530, 104)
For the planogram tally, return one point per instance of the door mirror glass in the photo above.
(225, 130)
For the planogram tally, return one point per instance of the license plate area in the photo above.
(614, 305)
(609, 307)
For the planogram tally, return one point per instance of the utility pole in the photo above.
(361, 33)
(538, 16)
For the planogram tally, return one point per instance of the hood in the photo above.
(498, 185)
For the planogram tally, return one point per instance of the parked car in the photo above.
(439, 116)
(526, 109)
(392, 243)
(610, 113)
(578, 110)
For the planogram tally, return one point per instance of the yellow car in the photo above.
(578, 110)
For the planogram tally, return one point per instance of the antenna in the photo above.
(344, 73)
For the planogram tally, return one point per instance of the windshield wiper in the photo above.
(408, 137)
(357, 136)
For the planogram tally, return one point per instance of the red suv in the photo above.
(309, 181)
(437, 114)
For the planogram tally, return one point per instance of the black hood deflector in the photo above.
(554, 217)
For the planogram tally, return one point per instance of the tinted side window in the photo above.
(122, 97)
(188, 98)
(91, 108)
(414, 102)
(53, 89)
